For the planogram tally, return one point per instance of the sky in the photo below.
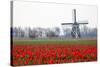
(36, 14)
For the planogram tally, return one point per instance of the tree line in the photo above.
(19, 32)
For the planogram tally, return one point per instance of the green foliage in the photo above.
(55, 41)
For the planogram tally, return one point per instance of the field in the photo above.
(53, 51)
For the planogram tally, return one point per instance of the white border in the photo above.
(5, 33)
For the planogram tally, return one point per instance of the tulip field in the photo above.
(36, 52)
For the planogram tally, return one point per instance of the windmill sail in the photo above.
(74, 15)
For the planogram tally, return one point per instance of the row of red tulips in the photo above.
(51, 54)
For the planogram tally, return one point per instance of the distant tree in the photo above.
(67, 32)
(50, 33)
(22, 33)
(18, 32)
(33, 33)
(39, 32)
(89, 32)
(57, 31)
(92, 32)
(14, 31)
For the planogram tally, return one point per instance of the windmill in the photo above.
(75, 32)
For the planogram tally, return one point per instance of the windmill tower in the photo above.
(75, 32)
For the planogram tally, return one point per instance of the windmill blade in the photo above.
(83, 22)
(74, 15)
(66, 23)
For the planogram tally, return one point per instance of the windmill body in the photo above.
(75, 32)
